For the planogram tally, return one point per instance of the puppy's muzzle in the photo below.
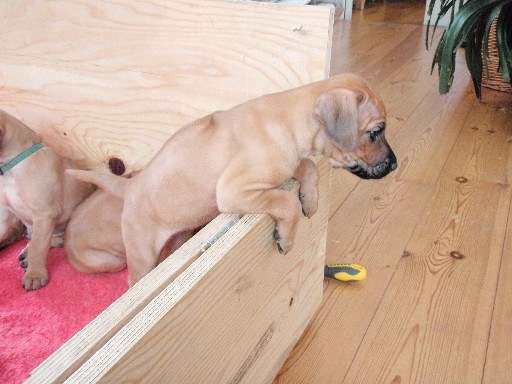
(378, 171)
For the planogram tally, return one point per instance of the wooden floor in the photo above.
(392, 11)
(435, 235)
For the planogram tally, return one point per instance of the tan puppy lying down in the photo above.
(93, 240)
(37, 193)
(233, 161)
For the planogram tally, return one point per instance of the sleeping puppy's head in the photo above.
(354, 118)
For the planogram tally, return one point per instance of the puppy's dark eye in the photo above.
(374, 135)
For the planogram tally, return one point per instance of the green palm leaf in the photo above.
(490, 20)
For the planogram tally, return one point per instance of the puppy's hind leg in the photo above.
(173, 243)
(143, 240)
(96, 261)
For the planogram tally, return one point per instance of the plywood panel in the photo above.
(117, 78)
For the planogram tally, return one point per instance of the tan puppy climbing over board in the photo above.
(233, 161)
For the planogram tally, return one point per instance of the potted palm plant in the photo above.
(484, 28)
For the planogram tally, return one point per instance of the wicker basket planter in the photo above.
(494, 78)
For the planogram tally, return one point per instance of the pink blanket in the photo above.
(35, 324)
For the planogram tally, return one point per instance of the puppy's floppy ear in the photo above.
(336, 110)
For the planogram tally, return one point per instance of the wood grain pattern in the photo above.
(232, 316)
(433, 323)
(117, 78)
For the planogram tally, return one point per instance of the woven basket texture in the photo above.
(495, 79)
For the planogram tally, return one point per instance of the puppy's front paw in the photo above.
(309, 203)
(34, 280)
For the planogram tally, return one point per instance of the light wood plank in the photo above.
(117, 78)
(360, 232)
(232, 316)
(433, 323)
(366, 48)
(224, 43)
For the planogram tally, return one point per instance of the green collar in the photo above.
(18, 159)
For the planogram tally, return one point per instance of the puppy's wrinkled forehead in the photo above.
(373, 103)
(368, 98)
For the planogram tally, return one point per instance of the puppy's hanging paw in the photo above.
(282, 246)
(22, 257)
(309, 203)
(276, 234)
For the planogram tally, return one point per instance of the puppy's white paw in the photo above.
(34, 280)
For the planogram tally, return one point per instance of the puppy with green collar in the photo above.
(34, 191)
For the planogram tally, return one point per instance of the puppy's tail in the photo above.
(113, 184)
